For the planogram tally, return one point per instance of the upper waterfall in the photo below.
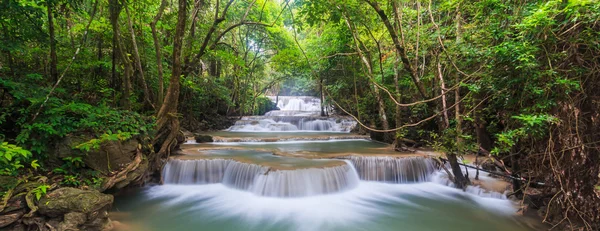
(297, 113)
(297, 103)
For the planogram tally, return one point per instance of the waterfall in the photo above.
(207, 171)
(261, 180)
(297, 113)
(394, 170)
(306, 182)
(292, 123)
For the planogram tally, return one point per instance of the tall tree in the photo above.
(167, 121)
(53, 58)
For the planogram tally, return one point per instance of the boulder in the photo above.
(203, 138)
(79, 209)
(111, 155)
(72, 221)
(67, 200)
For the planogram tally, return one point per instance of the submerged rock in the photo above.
(203, 138)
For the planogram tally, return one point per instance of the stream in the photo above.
(294, 170)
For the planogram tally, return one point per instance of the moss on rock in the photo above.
(66, 200)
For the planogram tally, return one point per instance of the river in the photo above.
(293, 170)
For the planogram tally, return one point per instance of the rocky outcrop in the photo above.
(110, 156)
(79, 209)
(61, 209)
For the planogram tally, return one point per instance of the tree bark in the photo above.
(443, 92)
(399, 48)
(157, 48)
(53, 58)
(167, 123)
(136, 56)
(115, 11)
(460, 180)
(321, 95)
(369, 72)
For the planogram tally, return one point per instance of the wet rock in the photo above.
(73, 209)
(67, 200)
(203, 138)
(10, 218)
(111, 155)
(72, 221)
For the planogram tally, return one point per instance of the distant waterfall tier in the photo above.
(261, 180)
(297, 103)
(293, 123)
(394, 170)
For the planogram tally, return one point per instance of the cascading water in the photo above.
(394, 170)
(306, 182)
(297, 113)
(208, 171)
(238, 183)
(259, 179)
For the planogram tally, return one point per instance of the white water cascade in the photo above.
(297, 113)
(259, 179)
(263, 181)
(394, 170)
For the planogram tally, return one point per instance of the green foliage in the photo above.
(531, 127)
(13, 158)
(71, 180)
(61, 120)
(40, 191)
(263, 105)
(71, 165)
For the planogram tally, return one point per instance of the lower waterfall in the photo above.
(260, 179)
(394, 170)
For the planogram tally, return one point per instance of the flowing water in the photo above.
(258, 175)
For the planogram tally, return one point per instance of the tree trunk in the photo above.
(369, 71)
(167, 123)
(98, 69)
(399, 48)
(322, 96)
(114, 19)
(157, 48)
(460, 180)
(53, 58)
(136, 56)
(443, 92)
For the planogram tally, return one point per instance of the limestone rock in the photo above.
(112, 155)
(72, 221)
(67, 200)
(109, 157)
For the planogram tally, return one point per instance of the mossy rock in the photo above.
(203, 138)
(67, 200)
(111, 156)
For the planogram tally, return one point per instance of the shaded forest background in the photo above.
(514, 81)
